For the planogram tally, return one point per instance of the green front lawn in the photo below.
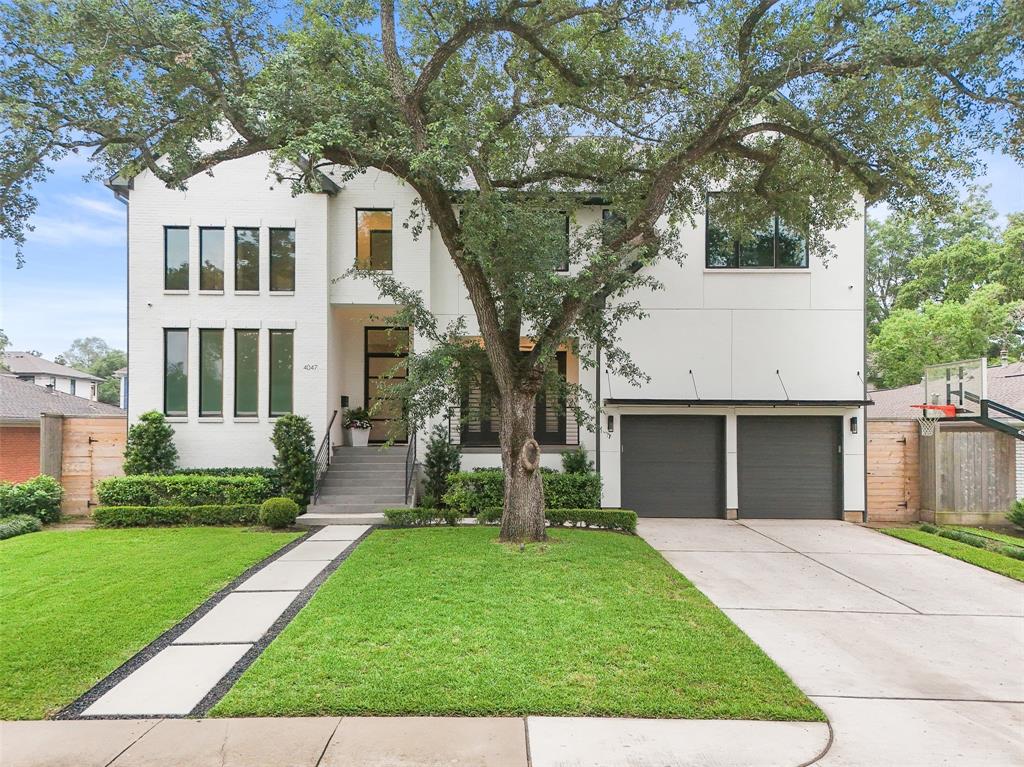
(990, 560)
(1013, 540)
(448, 621)
(75, 605)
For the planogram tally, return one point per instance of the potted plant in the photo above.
(357, 424)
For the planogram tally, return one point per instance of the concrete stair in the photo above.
(360, 483)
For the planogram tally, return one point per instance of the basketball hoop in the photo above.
(928, 420)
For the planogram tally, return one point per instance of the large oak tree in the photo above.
(503, 115)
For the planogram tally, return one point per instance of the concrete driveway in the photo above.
(916, 658)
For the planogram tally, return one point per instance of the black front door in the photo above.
(386, 353)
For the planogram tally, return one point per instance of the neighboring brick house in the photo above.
(42, 372)
(22, 407)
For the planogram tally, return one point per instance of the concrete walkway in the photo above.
(916, 658)
(208, 654)
(409, 742)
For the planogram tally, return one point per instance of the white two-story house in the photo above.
(26, 366)
(239, 312)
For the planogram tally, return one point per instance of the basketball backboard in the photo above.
(963, 384)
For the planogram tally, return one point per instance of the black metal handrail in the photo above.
(410, 468)
(323, 458)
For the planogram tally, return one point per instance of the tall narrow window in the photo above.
(175, 258)
(211, 372)
(211, 258)
(247, 259)
(562, 232)
(281, 360)
(247, 350)
(176, 371)
(74, 385)
(282, 259)
(373, 240)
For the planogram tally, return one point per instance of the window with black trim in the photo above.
(176, 371)
(211, 258)
(373, 240)
(211, 372)
(772, 246)
(282, 260)
(282, 352)
(175, 258)
(247, 386)
(562, 221)
(612, 223)
(247, 259)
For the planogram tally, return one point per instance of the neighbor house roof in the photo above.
(1005, 386)
(24, 401)
(23, 363)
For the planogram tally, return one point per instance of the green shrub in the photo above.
(268, 472)
(38, 497)
(1016, 513)
(959, 535)
(472, 491)
(1012, 551)
(422, 517)
(19, 524)
(182, 490)
(150, 447)
(293, 457)
(929, 528)
(576, 461)
(611, 519)
(173, 516)
(279, 513)
(442, 459)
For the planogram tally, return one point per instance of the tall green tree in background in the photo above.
(94, 355)
(502, 115)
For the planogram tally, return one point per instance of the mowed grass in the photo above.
(75, 605)
(449, 621)
(990, 560)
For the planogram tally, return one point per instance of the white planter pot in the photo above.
(358, 437)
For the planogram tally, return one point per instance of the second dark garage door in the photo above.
(673, 465)
(789, 467)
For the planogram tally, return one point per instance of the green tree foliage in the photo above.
(442, 459)
(504, 115)
(150, 447)
(982, 325)
(94, 355)
(293, 457)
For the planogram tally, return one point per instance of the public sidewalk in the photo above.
(410, 742)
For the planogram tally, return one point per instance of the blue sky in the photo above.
(74, 283)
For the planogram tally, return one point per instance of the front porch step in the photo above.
(363, 487)
(382, 500)
(316, 519)
(370, 459)
(335, 506)
(397, 469)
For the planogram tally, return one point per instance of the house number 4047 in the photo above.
(309, 367)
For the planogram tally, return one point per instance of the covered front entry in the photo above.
(386, 350)
(673, 465)
(789, 467)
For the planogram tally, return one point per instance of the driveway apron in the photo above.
(916, 658)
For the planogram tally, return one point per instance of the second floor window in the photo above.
(211, 258)
(772, 246)
(373, 240)
(247, 259)
(282, 259)
(175, 258)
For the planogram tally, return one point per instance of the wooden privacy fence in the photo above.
(92, 448)
(893, 471)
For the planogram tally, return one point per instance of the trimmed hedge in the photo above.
(1016, 513)
(610, 519)
(422, 517)
(279, 513)
(272, 475)
(38, 497)
(19, 524)
(183, 490)
(175, 516)
(470, 492)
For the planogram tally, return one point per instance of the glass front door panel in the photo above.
(386, 351)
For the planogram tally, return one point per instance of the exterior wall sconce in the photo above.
(611, 424)
(854, 425)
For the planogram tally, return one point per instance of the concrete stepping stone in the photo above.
(339, 533)
(283, 576)
(315, 551)
(171, 682)
(592, 742)
(239, 617)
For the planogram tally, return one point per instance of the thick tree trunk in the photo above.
(523, 516)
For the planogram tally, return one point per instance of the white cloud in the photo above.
(112, 210)
(60, 232)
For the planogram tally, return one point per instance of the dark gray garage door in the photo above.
(789, 467)
(673, 465)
